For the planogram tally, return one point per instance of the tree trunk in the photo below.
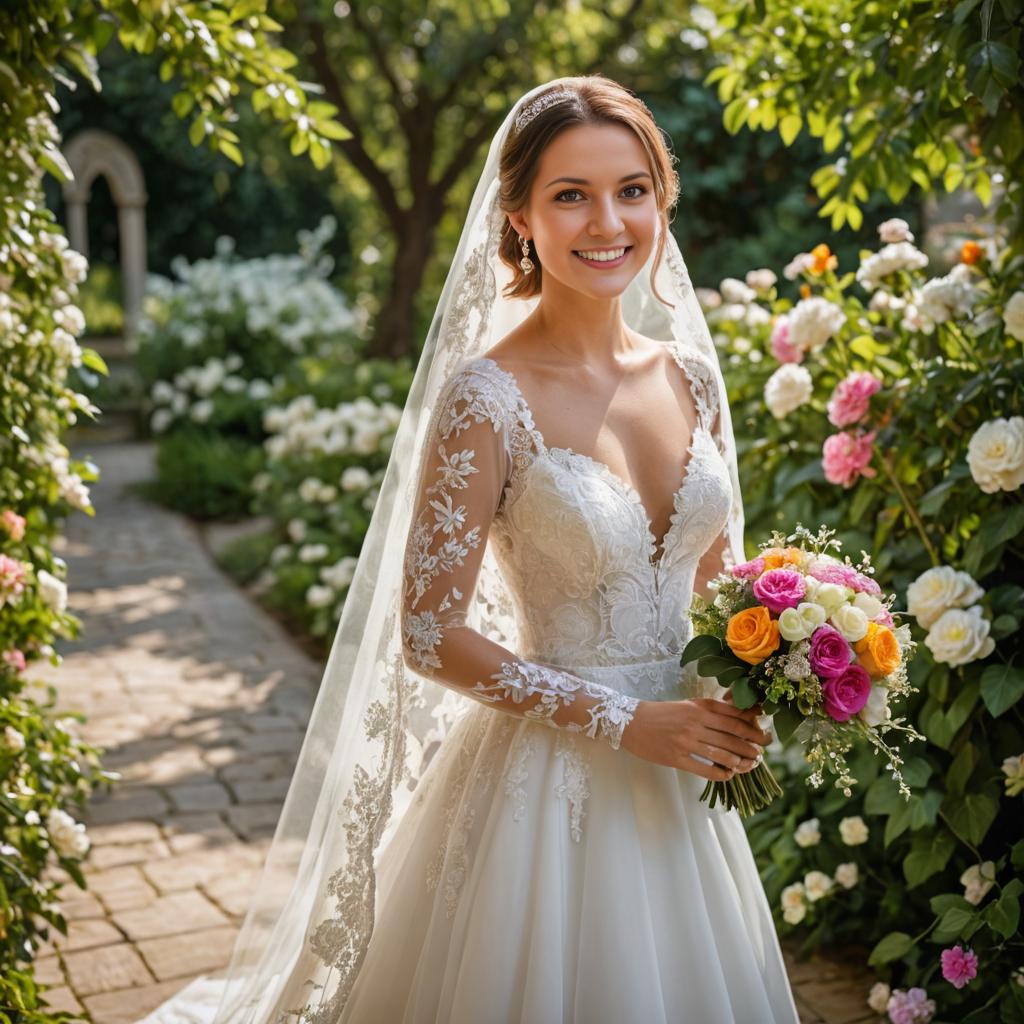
(393, 330)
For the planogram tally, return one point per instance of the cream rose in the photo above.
(807, 833)
(847, 875)
(794, 915)
(53, 591)
(977, 880)
(817, 884)
(831, 596)
(995, 454)
(869, 605)
(853, 831)
(851, 622)
(813, 321)
(67, 835)
(793, 895)
(878, 997)
(1013, 316)
(938, 589)
(876, 711)
(13, 741)
(787, 389)
(800, 622)
(960, 636)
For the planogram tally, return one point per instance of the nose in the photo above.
(606, 222)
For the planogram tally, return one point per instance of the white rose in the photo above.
(995, 454)
(800, 622)
(851, 622)
(938, 589)
(876, 710)
(793, 896)
(67, 835)
(869, 605)
(296, 530)
(312, 552)
(760, 280)
(895, 230)
(889, 259)
(53, 591)
(960, 636)
(846, 875)
(977, 880)
(794, 915)
(317, 596)
(355, 478)
(807, 833)
(1013, 769)
(309, 489)
(788, 388)
(878, 997)
(734, 290)
(813, 321)
(1013, 316)
(831, 596)
(708, 298)
(797, 265)
(816, 885)
(202, 410)
(853, 831)
(14, 742)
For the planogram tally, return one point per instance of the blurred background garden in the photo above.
(224, 230)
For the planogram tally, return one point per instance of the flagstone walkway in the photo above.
(201, 700)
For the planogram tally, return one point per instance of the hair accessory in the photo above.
(526, 263)
(531, 110)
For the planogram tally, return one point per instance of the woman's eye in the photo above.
(575, 191)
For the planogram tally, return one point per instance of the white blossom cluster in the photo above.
(944, 600)
(359, 427)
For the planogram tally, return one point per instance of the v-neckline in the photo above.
(627, 490)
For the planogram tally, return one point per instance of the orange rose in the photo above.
(753, 634)
(970, 253)
(878, 652)
(823, 259)
(776, 558)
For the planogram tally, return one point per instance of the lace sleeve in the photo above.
(465, 466)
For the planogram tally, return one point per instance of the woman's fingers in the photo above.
(730, 742)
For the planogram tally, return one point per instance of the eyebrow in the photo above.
(583, 181)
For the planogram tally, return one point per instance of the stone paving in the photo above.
(200, 700)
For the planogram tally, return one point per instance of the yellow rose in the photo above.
(776, 558)
(753, 635)
(878, 652)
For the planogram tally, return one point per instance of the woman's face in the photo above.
(608, 205)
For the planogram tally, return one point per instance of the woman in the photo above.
(525, 841)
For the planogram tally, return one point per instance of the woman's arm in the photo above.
(466, 465)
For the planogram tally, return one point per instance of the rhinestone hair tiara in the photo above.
(531, 110)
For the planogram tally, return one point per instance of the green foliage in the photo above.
(906, 94)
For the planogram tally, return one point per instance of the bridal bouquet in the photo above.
(813, 641)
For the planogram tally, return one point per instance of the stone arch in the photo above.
(93, 152)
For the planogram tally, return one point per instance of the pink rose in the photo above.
(864, 584)
(783, 351)
(779, 589)
(884, 618)
(13, 524)
(959, 966)
(12, 578)
(749, 570)
(845, 694)
(15, 658)
(910, 1007)
(849, 401)
(845, 456)
(830, 653)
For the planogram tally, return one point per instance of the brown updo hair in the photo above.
(597, 99)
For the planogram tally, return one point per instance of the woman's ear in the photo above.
(518, 223)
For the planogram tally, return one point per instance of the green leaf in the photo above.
(1003, 915)
(713, 665)
(971, 815)
(956, 923)
(789, 128)
(743, 694)
(941, 903)
(92, 359)
(960, 770)
(785, 722)
(1001, 687)
(699, 647)
(892, 947)
(928, 855)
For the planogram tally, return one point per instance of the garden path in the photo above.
(200, 699)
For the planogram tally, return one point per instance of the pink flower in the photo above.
(783, 351)
(779, 589)
(864, 584)
(749, 570)
(830, 653)
(910, 1007)
(884, 618)
(959, 966)
(13, 523)
(15, 658)
(845, 456)
(849, 401)
(846, 693)
(12, 578)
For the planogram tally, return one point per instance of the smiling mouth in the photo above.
(603, 256)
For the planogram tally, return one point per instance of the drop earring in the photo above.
(526, 263)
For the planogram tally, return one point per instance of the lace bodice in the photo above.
(602, 621)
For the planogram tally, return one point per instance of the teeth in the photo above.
(601, 257)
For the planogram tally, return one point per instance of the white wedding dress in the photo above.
(541, 875)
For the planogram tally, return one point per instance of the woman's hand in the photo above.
(679, 732)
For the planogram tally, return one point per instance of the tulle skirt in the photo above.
(541, 877)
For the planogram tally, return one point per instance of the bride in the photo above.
(495, 816)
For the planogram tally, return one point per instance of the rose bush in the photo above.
(904, 433)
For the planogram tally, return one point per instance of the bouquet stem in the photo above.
(747, 792)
